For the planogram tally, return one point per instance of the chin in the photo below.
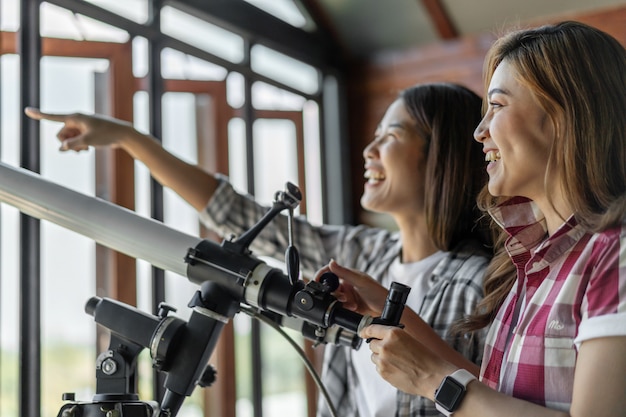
(375, 202)
(370, 205)
(366, 200)
(365, 205)
(495, 188)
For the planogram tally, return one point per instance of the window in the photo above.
(227, 103)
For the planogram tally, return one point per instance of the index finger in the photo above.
(320, 272)
(374, 331)
(350, 275)
(37, 114)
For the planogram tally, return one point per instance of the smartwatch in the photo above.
(450, 393)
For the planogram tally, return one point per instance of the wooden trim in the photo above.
(316, 356)
(441, 19)
(212, 112)
(7, 43)
(121, 167)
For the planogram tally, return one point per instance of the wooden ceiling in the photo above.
(348, 30)
(366, 27)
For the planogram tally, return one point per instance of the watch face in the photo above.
(449, 394)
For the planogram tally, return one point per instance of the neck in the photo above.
(556, 211)
(416, 241)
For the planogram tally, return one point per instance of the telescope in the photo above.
(229, 276)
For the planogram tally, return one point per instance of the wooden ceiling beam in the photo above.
(325, 25)
(441, 19)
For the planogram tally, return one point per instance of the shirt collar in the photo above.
(526, 226)
(522, 220)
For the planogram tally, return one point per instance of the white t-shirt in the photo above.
(375, 396)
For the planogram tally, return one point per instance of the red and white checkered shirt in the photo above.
(570, 287)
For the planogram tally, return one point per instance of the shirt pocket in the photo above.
(540, 368)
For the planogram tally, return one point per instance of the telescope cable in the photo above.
(307, 363)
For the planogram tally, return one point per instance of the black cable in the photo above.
(307, 363)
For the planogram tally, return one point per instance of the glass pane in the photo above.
(238, 170)
(9, 15)
(176, 65)
(235, 95)
(9, 312)
(283, 375)
(142, 200)
(68, 259)
(285, 69)
(9, 235)
(144, 269)
(275, 157)
(11, 113)
(140, 57)
(57, 22)
(201, 34)
(136, 10)
(67, 86)
(313, 162)
(268, 97)
(285, 10)
(242, 325)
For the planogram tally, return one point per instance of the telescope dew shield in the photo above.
(108, 224)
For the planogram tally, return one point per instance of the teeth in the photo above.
(373, 175)
(492, 156)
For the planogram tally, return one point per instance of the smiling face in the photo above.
(395, 164)
(517, 136)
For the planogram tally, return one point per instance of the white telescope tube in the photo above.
(108, 224)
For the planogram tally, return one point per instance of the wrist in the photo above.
(133, 141)
(451, 391)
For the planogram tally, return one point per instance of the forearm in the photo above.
(420, 330)
(481, 400)
(193, 184)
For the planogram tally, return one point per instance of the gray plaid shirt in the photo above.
(458, 275)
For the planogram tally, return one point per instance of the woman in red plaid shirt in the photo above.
(554, 138)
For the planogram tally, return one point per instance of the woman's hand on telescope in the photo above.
(357, 291)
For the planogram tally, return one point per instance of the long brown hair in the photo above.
(578, 75)
(446, 114)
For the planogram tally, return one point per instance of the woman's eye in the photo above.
(494, 104)
(383, 138)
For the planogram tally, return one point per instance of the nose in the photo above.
(370, 150)
(482, 130)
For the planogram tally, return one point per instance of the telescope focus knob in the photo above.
(208, 376)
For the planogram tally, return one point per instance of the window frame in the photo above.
(113, 167)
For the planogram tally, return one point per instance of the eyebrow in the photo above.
(396, 125)
(497, 91)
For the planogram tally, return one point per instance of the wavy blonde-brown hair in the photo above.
(578, 75)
